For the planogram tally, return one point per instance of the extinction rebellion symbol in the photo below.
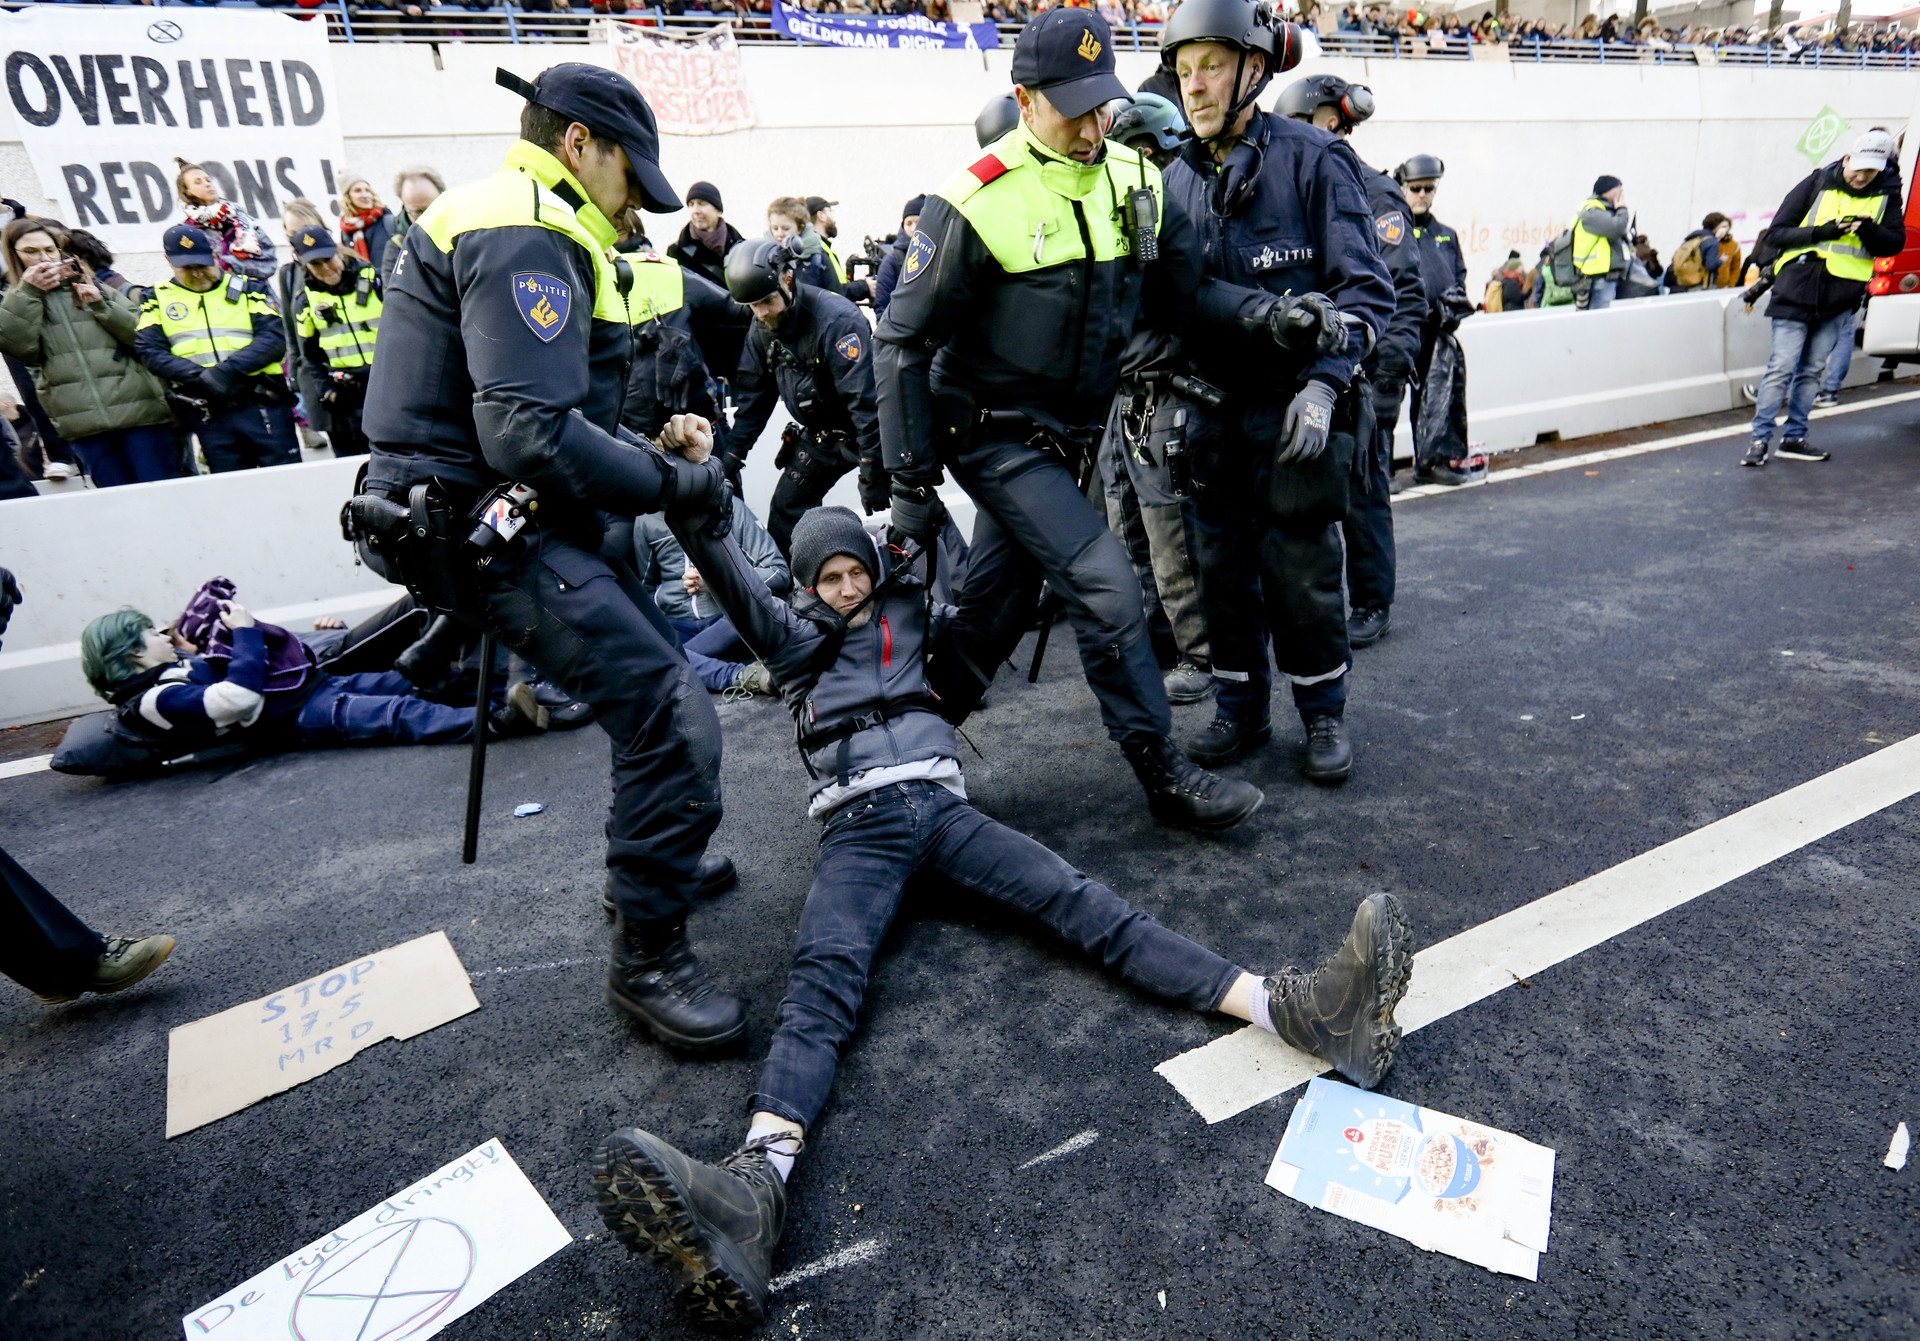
(164, 31)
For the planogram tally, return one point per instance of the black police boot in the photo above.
(1343, 1010)
(1367, 627)
(655, 979)
(715, 874)
(1180, 792)
(1225, 740)
(713, 1226)
(1329, 756)
(1439, 472)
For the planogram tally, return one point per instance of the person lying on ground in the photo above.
(887, 786)
(714, 650)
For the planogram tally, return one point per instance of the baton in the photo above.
(477, 762)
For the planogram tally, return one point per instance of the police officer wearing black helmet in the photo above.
(1439, 403)
(1294, 294)
(1333, 104)
(506, 336)
(998, 359)
(812, 350)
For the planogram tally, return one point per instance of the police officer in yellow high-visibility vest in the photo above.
(1600, 244)
(998, 359)
(218, 341)
(1823, 240)
(504, 344)
(337, 320)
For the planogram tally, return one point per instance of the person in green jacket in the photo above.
(77, 338)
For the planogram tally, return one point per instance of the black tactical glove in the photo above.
(1387, 394)
(1307, 324)
(917, 512)
(9, 597)
(1303, 434)
(875, 486)
(216, 383)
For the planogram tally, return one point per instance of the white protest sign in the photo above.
(108, 96)
(425, 1256)
(225, 1062)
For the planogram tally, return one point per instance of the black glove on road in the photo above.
(1303, 435)
(917, 513)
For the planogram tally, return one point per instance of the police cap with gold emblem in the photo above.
(1067, 54)
(313, 244)
(186, 245)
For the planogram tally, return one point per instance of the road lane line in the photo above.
(1248, 1067)
(533, 968)
(1066, 1147)
(851, 1255)
(16, 768)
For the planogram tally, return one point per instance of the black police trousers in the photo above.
(1369, 524)
(1035, 525)
(590, 628)
(804, 482)
(1266, 582)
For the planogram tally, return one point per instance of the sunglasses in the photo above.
(1420, 190)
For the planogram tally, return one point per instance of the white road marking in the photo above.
(1638, 449)
(1066, 1147)
(1897, 1148)
(851, 1255)
(1233, 1073)
(533, 968)
(15, 768)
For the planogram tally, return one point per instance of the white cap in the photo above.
(1871, 150)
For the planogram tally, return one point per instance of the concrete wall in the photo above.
(1523, 143)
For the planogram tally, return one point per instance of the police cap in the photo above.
(611, 108)
(1067, 54)
(313, 244)
(186, 245)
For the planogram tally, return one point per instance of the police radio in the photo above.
(501, 515)
(1143, 217)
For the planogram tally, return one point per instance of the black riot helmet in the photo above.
(996, 119)
(1245, 25)
(754, 268)
(1420, 168)
(1302, 98)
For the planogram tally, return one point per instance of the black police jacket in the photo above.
(1305, 229)
(668, 377)
(819, 363)
(1442, 266)
(465, 390)
(1045, 342)
(1397, 352)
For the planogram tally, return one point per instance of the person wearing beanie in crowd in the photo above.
(1821, 247)
(849, 657)
(706, 238)
(1601, 247)
(889, 275)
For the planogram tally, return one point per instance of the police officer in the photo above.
(812, 350)
(1294, 291)
(1331, 103)
(218, 341)
(1443, 270)
(999, 355)
(506, 339)
(662, 289)
(337, 319)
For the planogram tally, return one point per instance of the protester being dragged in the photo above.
(76, 336)
(417, 188)
(366, 225)
(337, 323)
(220, 343)
(707, 237)
(1848, 213)
(243, 247)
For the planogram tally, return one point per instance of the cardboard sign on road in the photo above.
(228, 1061)
(425, 1256)
(1438, 1181)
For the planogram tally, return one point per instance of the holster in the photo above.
(1304, 495)
(420, 544)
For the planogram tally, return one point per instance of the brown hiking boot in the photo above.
(1343, 1010)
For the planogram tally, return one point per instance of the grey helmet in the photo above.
(1302, 98)
(1152, 118)
(754, 267)
(1420, 168)
(996, 119)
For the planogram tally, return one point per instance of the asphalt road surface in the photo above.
(1584, 665)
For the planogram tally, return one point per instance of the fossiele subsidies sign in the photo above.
(107, 98)
(915, 31)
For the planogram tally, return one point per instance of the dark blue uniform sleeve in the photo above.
(1398, 349)
(889, 274)
(920, 319)
(847, 348)
(756, 392)
(152, 347)
(529, 376)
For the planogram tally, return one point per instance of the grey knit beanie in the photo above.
(822, 533)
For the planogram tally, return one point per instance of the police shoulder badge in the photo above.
(1390, 228)
(544, 302)
(919, 256)
(848, 346)
(176, 311)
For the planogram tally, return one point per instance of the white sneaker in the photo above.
(60, 470)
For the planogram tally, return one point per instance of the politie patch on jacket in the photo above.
(1275, 255)
(1390, 228)
(848, 346)
(176, 311)
(919, 257)
(544, 301)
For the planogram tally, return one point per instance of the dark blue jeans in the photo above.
(129, 456)
(714, 649)
(868, 849)
(377, 709)
(43, 947)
